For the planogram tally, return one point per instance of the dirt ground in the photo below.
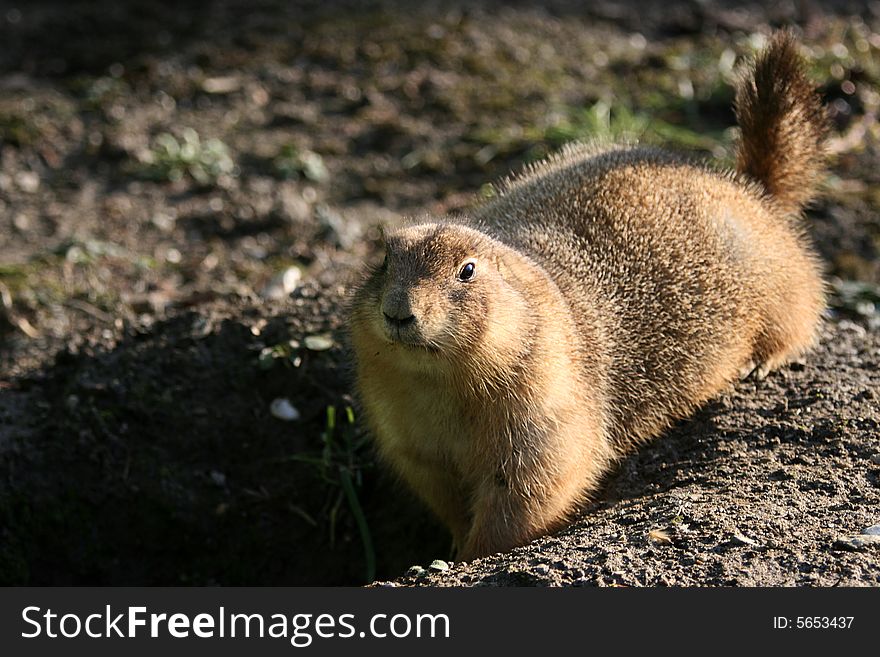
(162, 169)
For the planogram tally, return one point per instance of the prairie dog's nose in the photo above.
(396, 308)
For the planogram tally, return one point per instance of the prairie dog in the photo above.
(504, 361)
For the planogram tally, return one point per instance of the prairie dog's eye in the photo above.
(384, 265)
(467, 272)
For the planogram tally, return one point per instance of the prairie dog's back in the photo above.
(682, 262)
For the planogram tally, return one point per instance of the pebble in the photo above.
(745, 540)
(21, 222)
(873, 530)
(221, 85)
(542, 569)
(202, 327)
(439, 565)
(857, 543)
(851, 327)
(293, 206)
(345, 233)
(163, 221)
(27, 181)
(282, 409)
(415, 571)
(282, 284)
(318, 342)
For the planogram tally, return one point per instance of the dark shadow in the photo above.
(58, 37)
(690, 446)
(158, 462)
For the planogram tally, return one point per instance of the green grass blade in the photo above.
(360, 518)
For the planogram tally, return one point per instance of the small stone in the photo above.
(851, 327)
(336, 229)
(163, 221)
(857, 543)
(873, 530)
(318, 342)
(21, 222)
(267, 357)
(221, 85)
(745, 540)
(218, 478)
(282, 284)
(202, 327)
(439, 565)
(282, 409)
(875, 459)
(415, 571)
(27, 181)
(293, 206)
(542, 569)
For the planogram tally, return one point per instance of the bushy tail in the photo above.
(783, 124)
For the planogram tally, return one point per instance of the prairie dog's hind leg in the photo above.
(753, 371)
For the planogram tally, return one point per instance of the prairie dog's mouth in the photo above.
(407, 333)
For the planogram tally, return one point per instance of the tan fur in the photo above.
(783, 125)
(614, 292)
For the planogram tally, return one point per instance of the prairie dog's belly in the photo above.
(420, 423)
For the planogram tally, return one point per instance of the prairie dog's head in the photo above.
(442, 289)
